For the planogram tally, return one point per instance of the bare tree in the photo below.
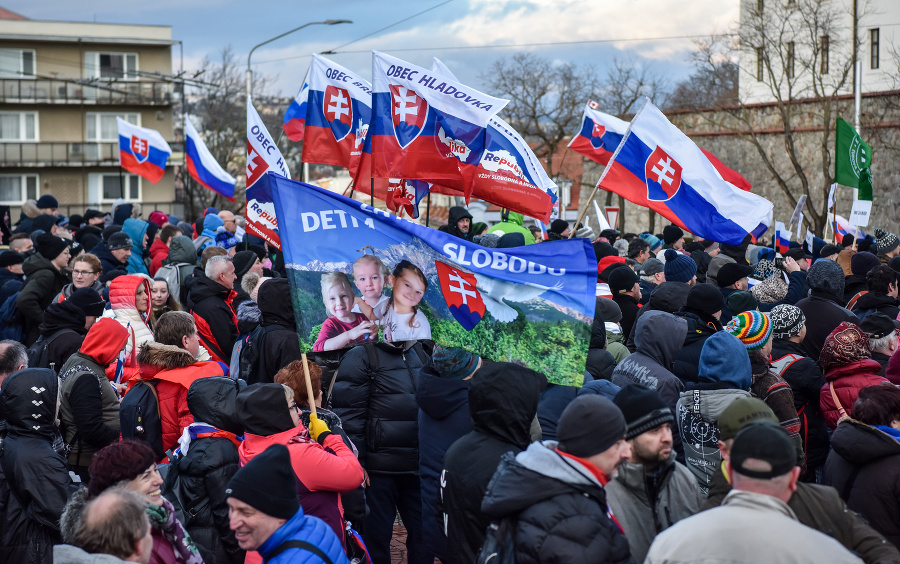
(713, 87)
(796, 60)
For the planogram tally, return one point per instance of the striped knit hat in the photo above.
(752, 328)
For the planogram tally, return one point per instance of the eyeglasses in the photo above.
(83, 272)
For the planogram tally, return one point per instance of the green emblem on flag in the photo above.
(852, 160)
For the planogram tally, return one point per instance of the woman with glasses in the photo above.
(132, 465)
(86, 270)
(325, 467)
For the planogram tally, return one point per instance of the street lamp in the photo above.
(250, 72)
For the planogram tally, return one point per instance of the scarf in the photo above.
(890, 431)
(162, 517)
(199, 430)
(600, 476)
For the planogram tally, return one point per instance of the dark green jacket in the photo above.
(42, 282)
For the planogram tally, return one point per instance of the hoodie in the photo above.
(456, 214)
(183, 256)
(34, 482)
(207, 237)
(513, 224)
(559, 507)
(503, 401)
(281, 346)
(136, 229)
(668, 297)
(658, 338)
(68, 320)
(89, 405)
(159, 251)
(42, 282)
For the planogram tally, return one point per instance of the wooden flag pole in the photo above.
(855, 237)
(309, 390)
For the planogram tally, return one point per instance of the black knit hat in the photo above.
(88, 300)
(119, 241)
(705, 298)
(242, 262)
(267, 483)
(47, 201)
(622, 280)
(672, 233)
(862, 262)
(609, 310)
(263, 409)
(589, 425)
(9, 258)
(108, 232)
(643, 409)
(558, 226)
(886, 242)
(50, 246)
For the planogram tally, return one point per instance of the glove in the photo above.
(318, 429)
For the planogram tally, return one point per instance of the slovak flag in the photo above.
(425, 126)
(782, 238)
(659, 167)
(142, 151)
(295, 115)
(202, 166)
(843, 227)
(509, 174)
(262, 156)
(338, 112)
(600, 134)
(543, 227)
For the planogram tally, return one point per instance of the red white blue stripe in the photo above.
(782, 238)
(295, 115)
(142, 151)
(843, 227)
(659, 167)
(600, 134)
(202, 166)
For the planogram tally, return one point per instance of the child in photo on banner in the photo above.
(343, 328)
(402, 320)
(369, 275)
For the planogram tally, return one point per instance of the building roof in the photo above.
(18, 28)
(8, 15)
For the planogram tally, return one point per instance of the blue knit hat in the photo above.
(454, 363)
(724, 359)
(679, 268)
(652, 240)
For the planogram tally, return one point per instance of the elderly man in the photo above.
(209, 300)
(265, 514)
(229, 220)
(882, 333)
(754, 523)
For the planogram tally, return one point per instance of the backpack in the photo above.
(11, 319)
(139, 415)
(251, 361)
(499, 544)
(172, 277)
(39, 352)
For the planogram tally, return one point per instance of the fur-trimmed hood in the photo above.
(155, 357)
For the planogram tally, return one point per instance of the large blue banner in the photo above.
(360, 274)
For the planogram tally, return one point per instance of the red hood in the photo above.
(859, 368)
(255, 444)
(159, 248)
(123, 289)
(104, 341)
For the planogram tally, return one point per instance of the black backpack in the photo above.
(499, 544)
(252, 361)
(39, 352)
(139, 416)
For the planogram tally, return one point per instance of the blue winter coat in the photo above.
(303, 528)
(136, 228)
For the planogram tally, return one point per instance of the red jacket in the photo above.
(848, 380)
(330, 468)
(159, 251)
(173, 369)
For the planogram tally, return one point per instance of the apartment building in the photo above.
(62, 85)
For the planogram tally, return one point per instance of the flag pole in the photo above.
(584, 209)
(855, 237)
(427, 208)
(122, 179)
(372, 190)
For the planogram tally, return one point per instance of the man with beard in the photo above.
(651, 491)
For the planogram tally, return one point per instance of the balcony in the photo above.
(58, 91)
(63, 154)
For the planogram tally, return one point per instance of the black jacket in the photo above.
(806, 382)
(377, 405)
(853, 285)
(43, 281)
(600, 363)
(58, 317)
(203, 472)
(10, 283)
(34, 486)
(864, 467)
(456, 214)
(107, 260)
(876, 302)
(823, 313)
(281, 345)
(503, 400)
(668, 297)
(560, 509)
(687, 361)
(629, 307)
(210, 304)
(443, 418)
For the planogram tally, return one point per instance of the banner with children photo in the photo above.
(361, 274)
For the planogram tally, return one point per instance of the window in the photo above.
(106, 187)
(111, 66)
(823, 54)
(102, 127)
(875, 41)
(17, 63)
(760, 64)
(789, 60)
(18, 126)
(16, 188)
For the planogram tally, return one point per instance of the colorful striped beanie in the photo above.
(752, 328)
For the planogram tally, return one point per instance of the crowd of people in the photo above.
(738, 405)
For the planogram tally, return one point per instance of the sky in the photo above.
(468, 35)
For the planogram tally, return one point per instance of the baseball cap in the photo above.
(651, 266)
(798, 253)
(878, 325)
(765, 441)
(740, 413)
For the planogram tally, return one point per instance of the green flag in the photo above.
(852, 160)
